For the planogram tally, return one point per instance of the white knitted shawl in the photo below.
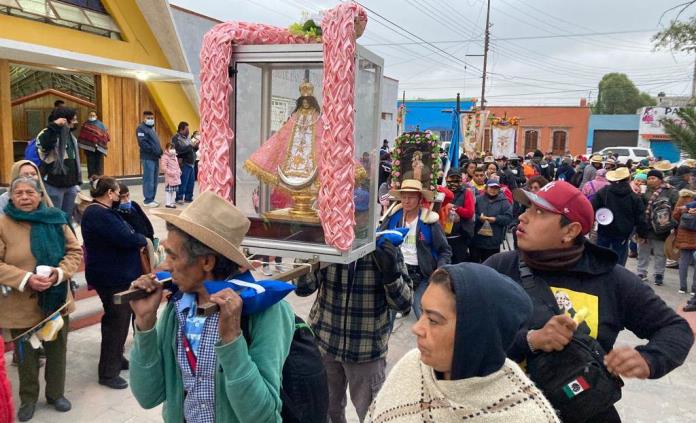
(412, 393)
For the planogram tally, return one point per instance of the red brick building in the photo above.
(547, 128)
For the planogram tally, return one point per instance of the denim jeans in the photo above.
(63, 198)
(619, 246)
(420, 283)
(185, 191)
(685, 258)
(150, 174)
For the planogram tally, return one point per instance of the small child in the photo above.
(172, 175)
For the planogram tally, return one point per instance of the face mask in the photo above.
(150, 122)
(172, 150)
(125, 206)
(91, 119)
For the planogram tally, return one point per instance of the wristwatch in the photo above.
(529, 341)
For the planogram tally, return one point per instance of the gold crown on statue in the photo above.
(306, 89)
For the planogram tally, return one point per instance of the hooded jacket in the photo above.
(14, 173)
(565, 172)
(490, 309)
(497, 207)
(627, 207)
(588, 174)
(616, 299)
(431, 244)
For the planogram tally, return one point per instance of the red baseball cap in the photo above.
(560, 197)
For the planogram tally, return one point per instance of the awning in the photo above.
(65, 60)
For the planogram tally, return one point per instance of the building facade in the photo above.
(119, 57)
(612, 131)
(547, 128)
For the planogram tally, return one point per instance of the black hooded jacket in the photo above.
(491, 309)
(616, 300)
(626, 206)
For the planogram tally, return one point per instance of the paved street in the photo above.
(667, 400)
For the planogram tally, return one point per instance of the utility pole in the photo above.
(485, 55)
(693, 84)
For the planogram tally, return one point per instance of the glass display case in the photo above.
(276, 113)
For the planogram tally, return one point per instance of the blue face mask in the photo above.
(125, 206)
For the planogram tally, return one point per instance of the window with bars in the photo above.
(531, 140)
(83, 15)
(559, 142)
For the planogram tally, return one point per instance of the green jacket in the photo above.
(247, 386)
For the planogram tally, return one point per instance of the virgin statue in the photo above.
(288, 160)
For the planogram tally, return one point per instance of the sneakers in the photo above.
(690, 306)
(179, 202)
(170, 206)
(60, 404)
(682, 291)
(152, 204)
(26, 412)
(672, 264)
(658, 280)
(643, 278)
(114, 383)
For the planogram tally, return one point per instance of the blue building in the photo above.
(429, 115)
(626, 130)
(612, 131)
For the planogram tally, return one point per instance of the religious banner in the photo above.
(503, 135)
(472, 131)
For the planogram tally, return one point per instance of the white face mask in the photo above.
(150, 122)
(172, 150)
(91, 119)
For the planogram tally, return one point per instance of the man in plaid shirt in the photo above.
(352, 319)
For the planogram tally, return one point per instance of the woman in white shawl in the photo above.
(471, 314)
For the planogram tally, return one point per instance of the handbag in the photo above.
(574, 380)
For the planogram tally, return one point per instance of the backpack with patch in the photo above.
(305, 389)
(661, 216)
(31, 152)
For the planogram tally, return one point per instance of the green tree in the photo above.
(683, 130)
(619, 95)
(679, 35)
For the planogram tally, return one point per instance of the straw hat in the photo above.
(618, 174)
(690, 162)
(663, 166)
(214, 222)
(412, 185)
(596, 159)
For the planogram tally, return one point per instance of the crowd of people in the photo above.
(523, 335)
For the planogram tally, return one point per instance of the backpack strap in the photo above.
(537, 289)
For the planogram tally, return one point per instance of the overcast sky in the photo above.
(532, 59)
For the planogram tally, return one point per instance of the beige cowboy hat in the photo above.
(671, 252)
(690, 162)
(411, 185)
(618, 174)
(214, 222)
(596, 159)
(663, 166)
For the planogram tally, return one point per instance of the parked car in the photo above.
(634, 153)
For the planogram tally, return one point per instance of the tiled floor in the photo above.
(670, 399)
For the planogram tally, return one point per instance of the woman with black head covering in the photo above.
(460, 371)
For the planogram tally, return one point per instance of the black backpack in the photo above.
(661, 216)
(576, 179)
(574, 380)
(305, 389)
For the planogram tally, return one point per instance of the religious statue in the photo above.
(288, 160)
(417, 165)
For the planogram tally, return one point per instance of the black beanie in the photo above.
(538, 153)
(656, 173)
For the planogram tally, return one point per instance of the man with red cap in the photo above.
(587, 284)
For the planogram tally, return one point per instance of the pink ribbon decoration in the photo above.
(337, 171)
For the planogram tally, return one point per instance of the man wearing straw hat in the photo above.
(425, 247)
(627, 213)
(591, 169)
(201, 368)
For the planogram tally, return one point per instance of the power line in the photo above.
(529, 37)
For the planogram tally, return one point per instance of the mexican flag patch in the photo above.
(575, 387)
